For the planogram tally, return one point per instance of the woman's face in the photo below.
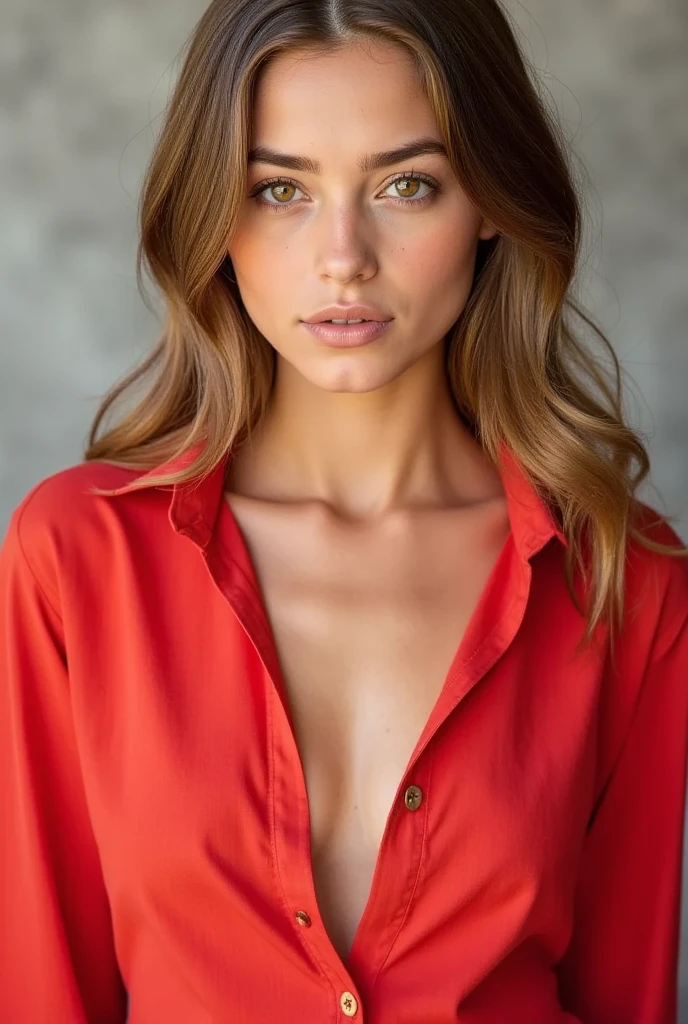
(341, 232)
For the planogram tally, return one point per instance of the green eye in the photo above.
(276, 192)
(280, 192)
(407, 187)
(280, 189)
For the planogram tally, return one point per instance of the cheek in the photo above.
(264, 268)
(437, 264)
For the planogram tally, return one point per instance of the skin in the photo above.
(371, 515)
(368, 431)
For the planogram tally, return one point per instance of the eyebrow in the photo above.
(369, 162)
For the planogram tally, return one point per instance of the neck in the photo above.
(365, 454)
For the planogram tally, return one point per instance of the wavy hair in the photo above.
(519, 373)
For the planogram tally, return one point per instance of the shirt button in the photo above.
(303, 918)
(348, 1003)
(413, 798)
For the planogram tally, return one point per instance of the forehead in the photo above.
(362, 96)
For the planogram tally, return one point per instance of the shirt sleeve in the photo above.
(621, 966)
(57, 959)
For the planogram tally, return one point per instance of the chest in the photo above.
(367, 622)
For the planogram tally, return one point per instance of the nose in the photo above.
(345, 245)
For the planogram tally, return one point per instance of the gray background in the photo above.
(82, 86)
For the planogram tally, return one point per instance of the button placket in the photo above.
(395, 881)
(293, 871)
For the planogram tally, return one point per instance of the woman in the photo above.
(346, 676)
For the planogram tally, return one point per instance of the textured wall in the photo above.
(617, 71)
(82, 83)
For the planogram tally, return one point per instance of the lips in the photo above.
(348, 312)
(348, 335)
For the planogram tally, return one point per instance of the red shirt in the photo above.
(155, 830)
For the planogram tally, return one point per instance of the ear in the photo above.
(486, 231)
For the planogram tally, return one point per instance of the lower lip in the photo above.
(348, 335)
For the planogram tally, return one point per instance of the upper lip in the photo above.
(344, 312)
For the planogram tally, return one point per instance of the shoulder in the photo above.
(58, 500)
(60, 513)
(653, 632)
(656, 580)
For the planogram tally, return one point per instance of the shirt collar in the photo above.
(532, 521)
(194, 505)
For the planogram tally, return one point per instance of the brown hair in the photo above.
(518, 372)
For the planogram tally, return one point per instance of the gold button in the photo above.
(413, 798)
(303, 918)
(348, 1003)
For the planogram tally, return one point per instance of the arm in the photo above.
(621, 964)
(57, 959)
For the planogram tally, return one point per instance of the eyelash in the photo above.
(406, 176)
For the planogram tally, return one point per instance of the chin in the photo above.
(354, 380)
